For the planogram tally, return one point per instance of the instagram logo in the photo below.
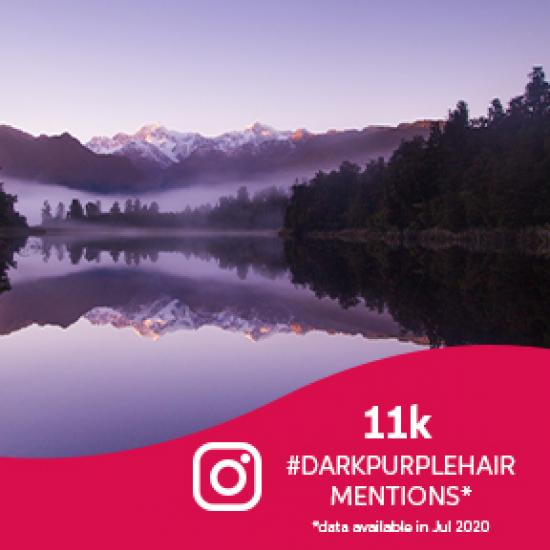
(227, 477)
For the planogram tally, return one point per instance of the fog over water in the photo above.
(31, 194)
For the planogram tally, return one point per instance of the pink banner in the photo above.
(435, 449)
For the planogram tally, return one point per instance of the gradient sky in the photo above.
(106, 66)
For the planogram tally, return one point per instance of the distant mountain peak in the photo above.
(300, 133)
(261, 128)
(159, 145)
(154, 126)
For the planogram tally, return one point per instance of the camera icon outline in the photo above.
(250, 453)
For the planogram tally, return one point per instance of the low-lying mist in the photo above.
(31, 194)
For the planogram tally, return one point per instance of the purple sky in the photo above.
(107, 66)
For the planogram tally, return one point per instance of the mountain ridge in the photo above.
(63, 160)
(176, 146)
(155, 158)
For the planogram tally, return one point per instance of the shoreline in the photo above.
(18, 232)
(119, 231)
(533, 240)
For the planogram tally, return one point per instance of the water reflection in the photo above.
(452, 296)
(166, 284)
(112, 343)
(162, 283)
(8, 248)
(263, 253)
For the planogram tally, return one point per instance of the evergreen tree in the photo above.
(92, 210)
(9, 217)
(76, 212)
(46, 213)
(60, 212)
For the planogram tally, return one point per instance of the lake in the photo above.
(111, 343)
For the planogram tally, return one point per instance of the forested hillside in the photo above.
(489, 172)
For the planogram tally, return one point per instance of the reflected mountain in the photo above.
(260, 286)
(154, 304)
(139, 294)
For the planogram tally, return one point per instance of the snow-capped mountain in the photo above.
(163, 147)
(253, 135)
(155, 158)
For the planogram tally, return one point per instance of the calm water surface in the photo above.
(113, 343)
(110, 344)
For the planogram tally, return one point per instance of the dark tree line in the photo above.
(263, 210)
(490, 172)
(9, 217)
